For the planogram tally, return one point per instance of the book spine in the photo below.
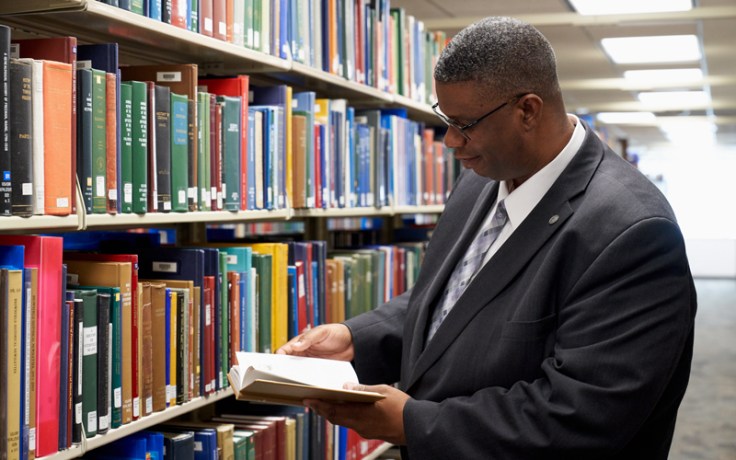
(139, 148)
(21, 142)
(99, 142)
(147, 351)
(84, 135)
(111, 111)
(162, 147)
(78, 349)
(6, 187)
(193, 153)
(231, 144)
(116, 318)
(126, 147)
(179, 153)
(58, 140)
(103, 344)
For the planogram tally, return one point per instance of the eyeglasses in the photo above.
(463, 128)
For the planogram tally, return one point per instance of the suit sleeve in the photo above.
(623, 331)
(377, 339)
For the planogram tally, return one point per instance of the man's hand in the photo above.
(331, 341)
(383, 419)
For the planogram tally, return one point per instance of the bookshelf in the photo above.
(139, 39)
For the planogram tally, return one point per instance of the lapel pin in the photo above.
(554, 219)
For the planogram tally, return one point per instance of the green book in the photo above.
(231, 168)
(245, 445)
(99, 142)
(89, 360)
(116, 368)
(224, 323)
(179, 152)
(126, 147)
(203, 157)
(262, 263)
(140, 146)
(138, 7)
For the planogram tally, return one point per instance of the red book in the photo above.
(61, 49)
(219, 19)
(111, 178)
(206, 22)
(235, 86)
(45, 253)
(179, 13)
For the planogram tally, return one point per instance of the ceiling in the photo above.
(590, 81)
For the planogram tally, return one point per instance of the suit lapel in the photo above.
(542, 223)
(437, 279)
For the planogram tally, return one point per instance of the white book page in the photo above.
(326, 373)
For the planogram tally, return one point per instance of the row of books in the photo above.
(157, 138)
(147, 327)
(363, 41)
(243, 432)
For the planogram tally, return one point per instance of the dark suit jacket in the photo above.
(574, 341)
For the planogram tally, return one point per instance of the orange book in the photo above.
(334, 64)
(299, 157)
(428, 181)
(112, 144)
(57, 133)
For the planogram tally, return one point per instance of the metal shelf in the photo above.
(138, 425)
(148, 219)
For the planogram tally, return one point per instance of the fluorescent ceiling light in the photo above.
(626, 118)
(687, 131)
(594, 7)
(663, 77)
(675, 99)
(643, 50)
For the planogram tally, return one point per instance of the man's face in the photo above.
(492, 147)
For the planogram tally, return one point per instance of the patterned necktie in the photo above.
(467, 267)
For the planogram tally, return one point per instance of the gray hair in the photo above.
(505, 55)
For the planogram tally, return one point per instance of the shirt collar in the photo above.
(522, 200)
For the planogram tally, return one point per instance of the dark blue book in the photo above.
(154, 9)
(167, 341)
(292, 302)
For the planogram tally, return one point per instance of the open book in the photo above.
(285, 379)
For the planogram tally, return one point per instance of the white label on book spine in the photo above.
(192, 193)
(103, 422)
(112, 194)
(92, 421)
(32, 439)
(197, 446)
(84, 64)
(222, 28)
(165, 267)
(100, 186)
(118, 397)
(208, 24)
(136, 407)
(78, 412)
(26, 188)
(168, 77)
(128, 193)
(149, 405)
(167, 205)
(232, 259)
(62, 202)
(208, 315)
(90, 342)
(79, 368)
(181, 197)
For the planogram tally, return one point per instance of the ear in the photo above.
(531, 107)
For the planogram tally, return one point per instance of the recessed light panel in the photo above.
(626, 118)
(596, 7)
(656, 49)
(675, 99)
(663, 77)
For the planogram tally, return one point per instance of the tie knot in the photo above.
(500, 216)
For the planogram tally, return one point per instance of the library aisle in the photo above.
(706, 424)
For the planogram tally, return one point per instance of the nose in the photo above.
(454, 138)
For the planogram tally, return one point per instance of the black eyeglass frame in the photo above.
(462, 128)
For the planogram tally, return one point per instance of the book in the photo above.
(11, 295)
(286, 379)
(89, 361)
(21, 137)
(5, 177)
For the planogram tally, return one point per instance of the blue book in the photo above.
(351, 173)
(363, 164)
(276, 96)
(323, 147)
(284, 19)
(240, 259)
(154, 9)
(292, 302)
(267, 161)
(251, 189)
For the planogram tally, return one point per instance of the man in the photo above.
(573, 336)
